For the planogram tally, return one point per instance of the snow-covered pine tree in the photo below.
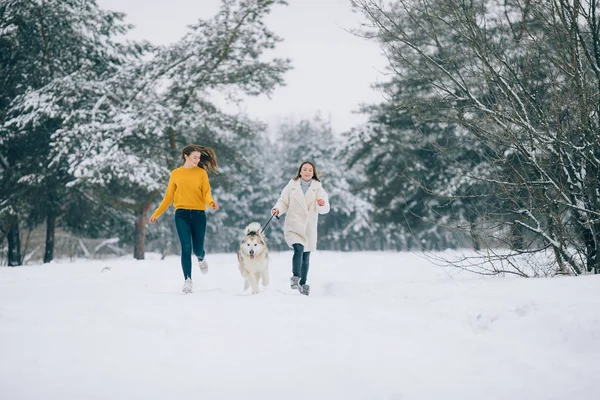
(225, 55)
(523, 83)
(414, 172)
(122, 132)
(42, 42)
(417, 164)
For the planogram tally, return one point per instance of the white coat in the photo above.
(302, 212)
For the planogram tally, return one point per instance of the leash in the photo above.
(267, 224)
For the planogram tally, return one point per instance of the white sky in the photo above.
(333, 69)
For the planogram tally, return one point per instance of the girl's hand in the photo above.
(152, 220)
(321, 202)
(275, 212)
(214, 205)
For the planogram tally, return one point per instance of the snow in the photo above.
(376, 326)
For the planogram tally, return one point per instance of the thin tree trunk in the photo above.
(50, 229)
(475, 238)
(14, 244)
(172, 147)
(517, 237)
(140, 231)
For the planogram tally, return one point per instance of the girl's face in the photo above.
(193, 159)
(306, 172)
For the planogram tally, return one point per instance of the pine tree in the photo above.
(521, 84)
(130, 124)
(43, 42)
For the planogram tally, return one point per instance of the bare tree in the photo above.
(522, 80)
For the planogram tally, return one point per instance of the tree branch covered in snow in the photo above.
(518, 87)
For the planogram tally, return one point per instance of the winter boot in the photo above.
(294, 282)
(304, 289)
(187, 286)
(203, 265)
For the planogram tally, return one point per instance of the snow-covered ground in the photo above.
(376, 326)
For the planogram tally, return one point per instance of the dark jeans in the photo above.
(191, 227)
(300, 262)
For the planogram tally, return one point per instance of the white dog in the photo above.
(253, 258)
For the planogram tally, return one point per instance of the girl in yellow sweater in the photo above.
(189, 191)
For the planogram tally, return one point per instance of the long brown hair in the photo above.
(208, 158)
(315, 174)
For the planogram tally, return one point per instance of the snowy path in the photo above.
(376, 326)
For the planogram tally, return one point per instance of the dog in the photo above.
(253, 258)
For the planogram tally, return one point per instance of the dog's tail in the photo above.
(253, 227)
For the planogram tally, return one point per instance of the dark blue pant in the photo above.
(191, 227)
(300, 262)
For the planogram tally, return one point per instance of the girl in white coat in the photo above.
(304, 199)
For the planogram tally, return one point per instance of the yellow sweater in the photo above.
(188, 189)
